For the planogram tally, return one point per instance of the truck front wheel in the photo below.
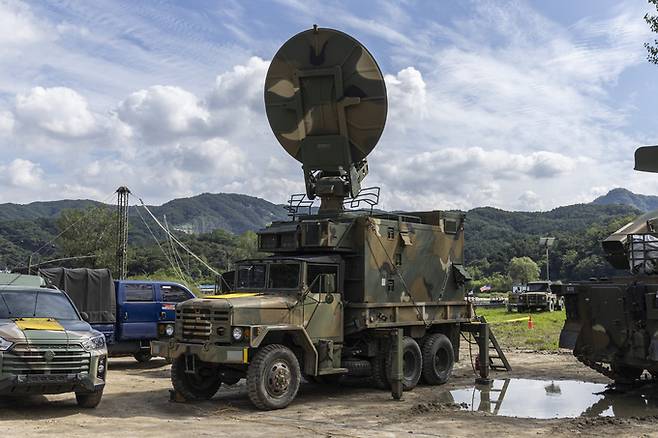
(203, 384)
(273, 377)
(438, 359)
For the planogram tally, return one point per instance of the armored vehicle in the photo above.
(612, 323)
(539, 295)
(45, 345)
(340, 280)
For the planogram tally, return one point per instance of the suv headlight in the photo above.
(94, 343)
(237, 333)
(5, 344)
(169, 330)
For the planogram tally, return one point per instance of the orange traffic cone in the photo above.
(530, 323)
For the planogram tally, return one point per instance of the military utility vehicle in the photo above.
(45, 345)
(538, 295)
(612, 323)
(339, 280)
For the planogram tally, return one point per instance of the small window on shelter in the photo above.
(390, 233)
(450, 226)
(390, 285)
(398, 259)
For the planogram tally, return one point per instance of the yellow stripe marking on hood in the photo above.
(38, 324)
(233, 295)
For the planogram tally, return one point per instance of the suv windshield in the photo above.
(36, 304)
(537, 287)
(283, 276)
(251, 276)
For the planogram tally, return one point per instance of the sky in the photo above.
(520, 105)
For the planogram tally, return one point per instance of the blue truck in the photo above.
(130, 313)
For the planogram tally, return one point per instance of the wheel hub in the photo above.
(278, 378)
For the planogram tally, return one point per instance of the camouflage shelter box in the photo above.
(92, 290)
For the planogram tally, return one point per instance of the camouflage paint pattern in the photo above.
(612, 324)
(36, 355)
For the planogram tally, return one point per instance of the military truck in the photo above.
(341, 278)
(45, 345)
(538, 295)
(612, 323)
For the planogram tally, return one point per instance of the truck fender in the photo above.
(300, 338)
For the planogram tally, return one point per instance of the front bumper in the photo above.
(30, 374)
(49, 384)
(228, 354)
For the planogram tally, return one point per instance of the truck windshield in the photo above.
(283, 276)
(251, 276)
(537, 287)
(36, 304)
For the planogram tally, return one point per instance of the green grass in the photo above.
(517, 335)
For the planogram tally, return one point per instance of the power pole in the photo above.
(123, 194)
(547, 242)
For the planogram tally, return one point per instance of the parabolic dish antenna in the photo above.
(326, 103)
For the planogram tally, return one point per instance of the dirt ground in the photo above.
(136, 404)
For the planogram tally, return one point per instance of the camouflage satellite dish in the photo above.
(325, 100)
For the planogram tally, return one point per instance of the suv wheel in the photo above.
(89, 400)
(200, 385)
(273, 377)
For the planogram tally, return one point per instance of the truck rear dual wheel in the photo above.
(412, 364)
(438, 359)
(273, 377)
(203, 384)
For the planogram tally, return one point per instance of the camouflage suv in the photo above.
(47, 348)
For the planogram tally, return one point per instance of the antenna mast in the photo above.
(123, 194)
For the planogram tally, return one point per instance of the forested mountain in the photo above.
(217, 227)
(626, 197)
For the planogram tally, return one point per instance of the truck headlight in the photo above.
(169, 330)
(94, 343)
(237, 333)
(5, 344)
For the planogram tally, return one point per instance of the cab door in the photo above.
(323, 306)
(170, 294)
(139, 312)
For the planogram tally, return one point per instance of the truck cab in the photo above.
(145, 311)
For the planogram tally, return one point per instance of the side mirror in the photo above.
(84, 316)
(328, 283)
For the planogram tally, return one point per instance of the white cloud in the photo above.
(160, 111)
(58, 110)
(17, 25)
(6, 122)
(21, 173)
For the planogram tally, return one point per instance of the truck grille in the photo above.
(198, 324)
(46, 359)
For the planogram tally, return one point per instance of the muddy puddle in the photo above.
(528, 398)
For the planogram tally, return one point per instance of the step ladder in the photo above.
(497, 359)
(489, 349)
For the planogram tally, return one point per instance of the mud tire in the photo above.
(89, 400)
(143, 356)
(438, 359)
(194, 386)
(273, 377)
(378, 377)
(412, 364)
